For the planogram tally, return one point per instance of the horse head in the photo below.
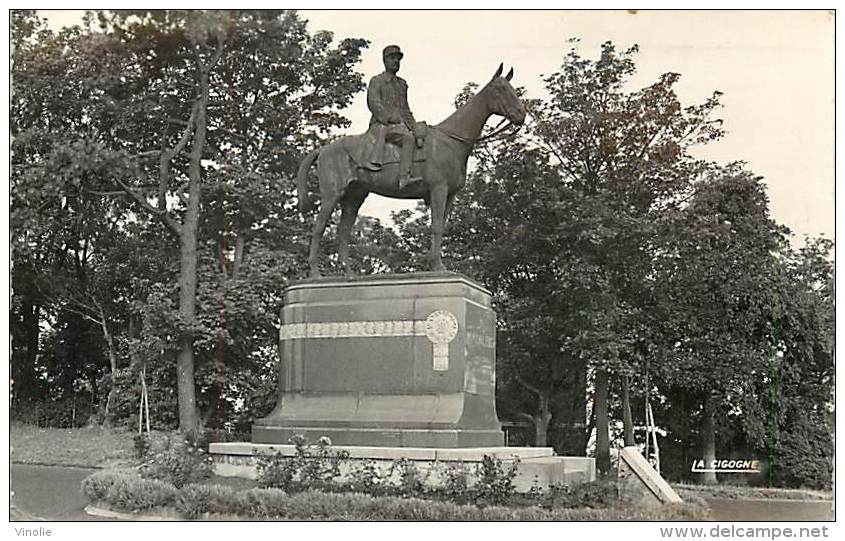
(503, 100)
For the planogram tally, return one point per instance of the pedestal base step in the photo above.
(537, 465)
(402, 437)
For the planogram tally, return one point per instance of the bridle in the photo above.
(492, 136)
(499, 132)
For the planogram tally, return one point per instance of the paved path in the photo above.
(49, 492)
(724, 509)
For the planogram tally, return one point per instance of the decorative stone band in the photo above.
(440, 327)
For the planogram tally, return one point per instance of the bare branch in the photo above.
(526, 416)
(69, 304)
(162, 214)
(527, 385)
(145, 154)
(218, 54)
(186, 133)
(110, 193)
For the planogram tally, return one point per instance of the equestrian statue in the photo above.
(401, 158)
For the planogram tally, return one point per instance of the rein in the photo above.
(497, 130)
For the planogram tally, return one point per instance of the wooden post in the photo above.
(653, 429)
(146, 396)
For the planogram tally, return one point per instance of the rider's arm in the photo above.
(407, 115)
(374, 101)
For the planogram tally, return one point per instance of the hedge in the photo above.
(132, 493)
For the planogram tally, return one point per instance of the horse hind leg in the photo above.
(439, 198)
(349, 204)
(333, 168)
(327, 206)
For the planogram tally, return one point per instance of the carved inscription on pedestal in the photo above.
(440, 327)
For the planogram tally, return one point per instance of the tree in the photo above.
(60, 234)
(788, 409)
(142, 74)
(716, 289)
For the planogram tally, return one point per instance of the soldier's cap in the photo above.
(392, 49)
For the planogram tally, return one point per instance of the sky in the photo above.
(775, 68)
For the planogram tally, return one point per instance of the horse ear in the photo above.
(509, 75)
(499, 71)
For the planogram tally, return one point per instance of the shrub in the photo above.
(128, 492)
(316, 467)
(139, 494)
(178, 464)
(194, 500)
(804, 454)
(275, 470)
(67, 412)
(265, 503)
(410, 481)
(96, 486)
(141, 445)
(456, 483)
(595, 494)
(367, 478)
(495, 483)
(313, 466)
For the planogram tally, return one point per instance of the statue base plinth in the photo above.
(402, 360)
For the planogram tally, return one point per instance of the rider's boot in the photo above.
(405, 163)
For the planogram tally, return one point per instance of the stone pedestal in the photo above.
(391, 360)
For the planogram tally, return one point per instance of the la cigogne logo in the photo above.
(726, 466)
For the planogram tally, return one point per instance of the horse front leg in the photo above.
(349, 205)
(438, 224)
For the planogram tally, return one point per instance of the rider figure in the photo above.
(387, 99)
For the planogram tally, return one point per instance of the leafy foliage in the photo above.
(138, 494)
(109, 109)
(177, 463)
(313, 466)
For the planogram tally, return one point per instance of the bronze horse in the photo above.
(447, 148)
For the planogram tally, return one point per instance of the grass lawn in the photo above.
(85, 447)
(733, 492)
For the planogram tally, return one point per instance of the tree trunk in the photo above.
(708, 441)
(541, 421)
(602, 432)
(240, 243)
(627, 418)
(25, 352)
(569, 431)
(188, 416)
(187, 309)
(112, 366)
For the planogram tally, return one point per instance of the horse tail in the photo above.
(306, 200)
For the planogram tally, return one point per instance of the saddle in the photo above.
(366, 154)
